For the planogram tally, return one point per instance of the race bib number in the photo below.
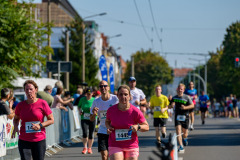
(181, 117)
(157, 108)
(103, 114)
(28, 127)
(123, 134)
(86, 116)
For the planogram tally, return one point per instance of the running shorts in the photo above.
(102, 142)
(126, 152)
(159, 121)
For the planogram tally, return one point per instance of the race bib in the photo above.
(157, 108)
(123, 134)
(86, 115)
(28, 127)
(181, 117)
(103, 114)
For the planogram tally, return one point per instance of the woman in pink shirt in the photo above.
(32, 138)
(122, 122)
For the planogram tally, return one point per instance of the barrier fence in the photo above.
(66, 128)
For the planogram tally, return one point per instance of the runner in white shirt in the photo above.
(99, 108)
(137, 95)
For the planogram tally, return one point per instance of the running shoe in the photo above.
(185, 142)
(84, 151)
(181, 149)
(191, 128)
(163, 135)
(89, 151)
(203, 122)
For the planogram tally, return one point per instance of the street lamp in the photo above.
(199, 72)
(83, 43)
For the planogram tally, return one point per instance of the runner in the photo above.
(138, 97)
(159, 103)
(84, 106)
(192, 92)
(123, 121)
(99, 108)
(32, 112)
(182, 105)
(204, 101)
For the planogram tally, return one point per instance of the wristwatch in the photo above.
(139, 127)
(41, 126)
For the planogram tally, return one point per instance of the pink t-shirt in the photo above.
(123, 120)
(30, 113)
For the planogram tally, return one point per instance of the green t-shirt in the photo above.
(85, 105)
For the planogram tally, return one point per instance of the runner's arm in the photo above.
(108, 126)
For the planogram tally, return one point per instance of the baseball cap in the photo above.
(98, 93)
(132, 79)
(89, 90)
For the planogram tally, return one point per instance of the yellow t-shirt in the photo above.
(157, 103)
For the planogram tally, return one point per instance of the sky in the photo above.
(173, 28)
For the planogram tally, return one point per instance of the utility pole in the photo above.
(66, 78)
(83, 52)
(132, 66)
(206, 74)
(49, 36)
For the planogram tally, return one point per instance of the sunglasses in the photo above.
(101, 86)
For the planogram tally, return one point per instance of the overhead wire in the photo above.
(155, 26)
(141, 21)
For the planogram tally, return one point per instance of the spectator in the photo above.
(235, 108)
(78, 94)
(6, 102)
(58, 84)
(81, 96)
(67, 96)
(59, 102)
(15, 102)
(97, 94)
(46, 95)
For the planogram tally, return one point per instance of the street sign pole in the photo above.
(59, 68)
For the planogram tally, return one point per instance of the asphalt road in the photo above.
(218, 139)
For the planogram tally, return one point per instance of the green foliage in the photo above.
(223, 76)
(228, 73)
(150, 70)
(75, 51)
(20, 40)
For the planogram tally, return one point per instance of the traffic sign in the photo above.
(64, 66)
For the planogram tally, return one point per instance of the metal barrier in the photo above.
(65, 129)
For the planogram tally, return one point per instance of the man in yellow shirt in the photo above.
(159, 103)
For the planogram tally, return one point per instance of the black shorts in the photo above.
(102, 142)
(159, 121)
(191, 110)
(203, 109)
(184, 124)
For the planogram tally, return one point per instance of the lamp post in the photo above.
(198, 71)
(83, 43)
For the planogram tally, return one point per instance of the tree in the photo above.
(75, 51)
(21, 39)
(150, 70)
(229, 74)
